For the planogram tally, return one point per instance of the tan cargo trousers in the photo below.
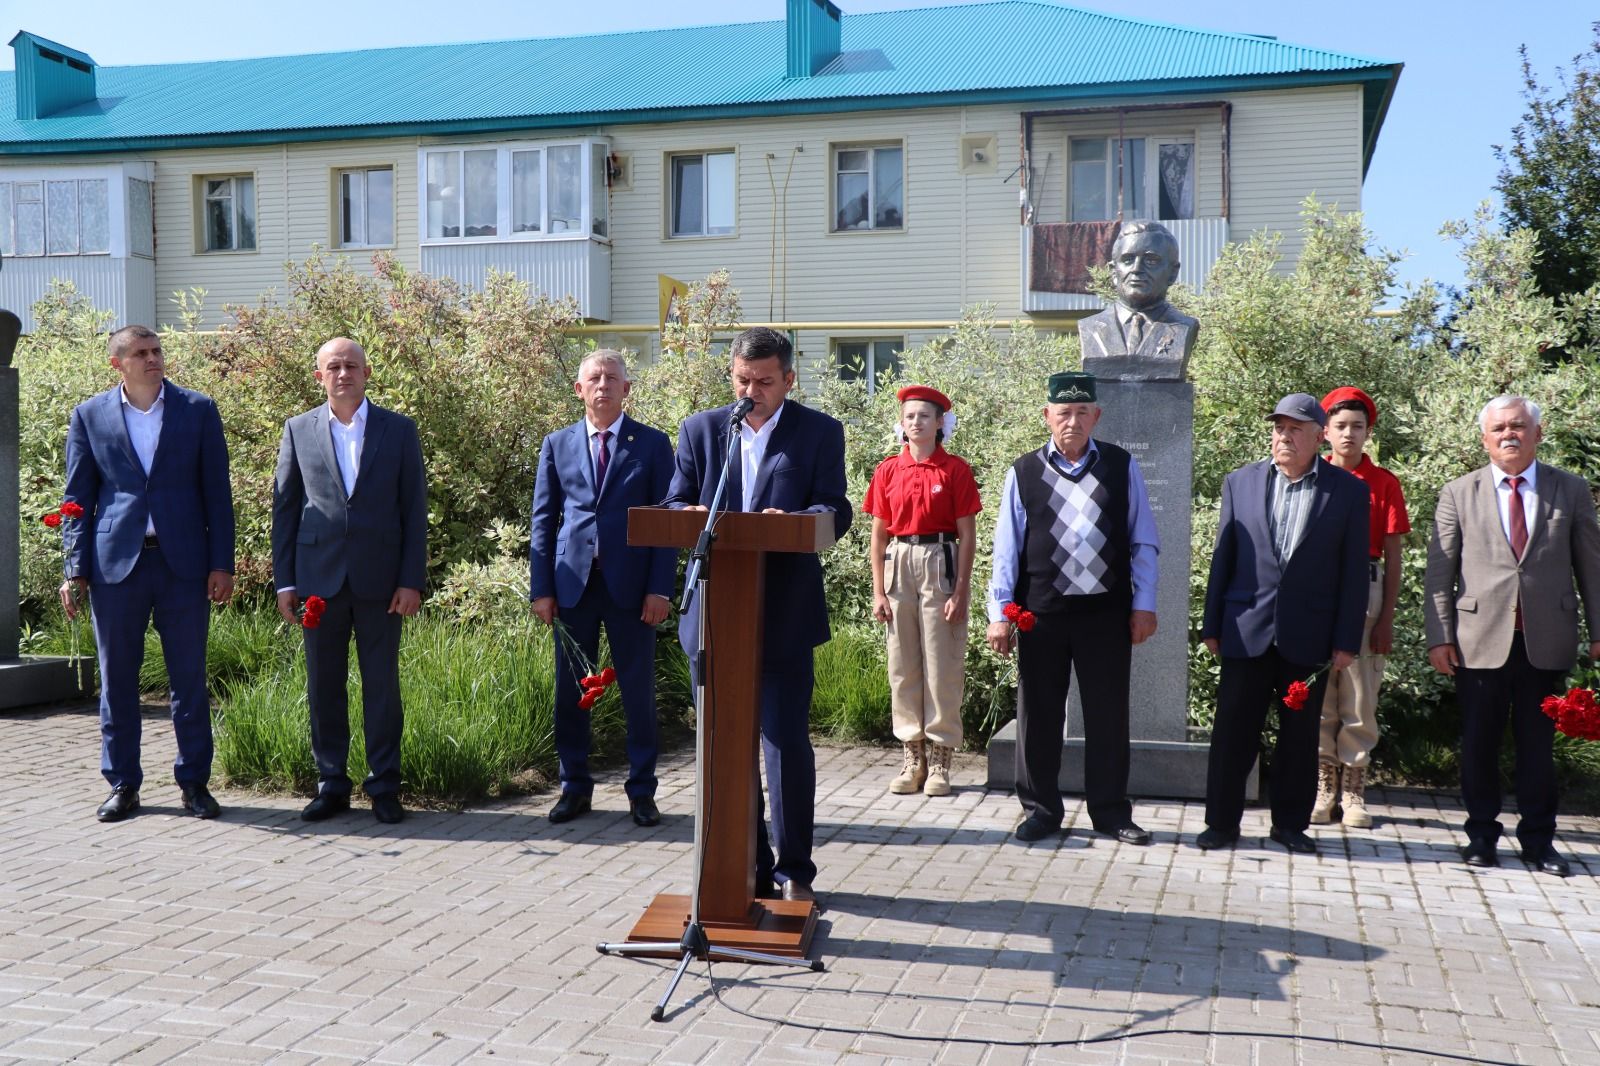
(1350, 703)
(927, 655)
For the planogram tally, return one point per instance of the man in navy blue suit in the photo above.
(582, 570)
(790, 459)
(148, 464)
(1286, 600)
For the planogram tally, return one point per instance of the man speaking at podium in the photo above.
(790, 459)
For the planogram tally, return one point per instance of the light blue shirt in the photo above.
(1011, 529)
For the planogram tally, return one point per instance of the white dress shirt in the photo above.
(347, 441)
(1530, 497)
(144, 430)
(752, 449)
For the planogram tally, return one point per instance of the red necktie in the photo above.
(1519, 530)
(600, 460)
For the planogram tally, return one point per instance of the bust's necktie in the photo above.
(1135, 331)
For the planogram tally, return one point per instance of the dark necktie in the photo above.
(1519, 531)
(600, 460)
(1135, 331)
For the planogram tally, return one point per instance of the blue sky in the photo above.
(1459, 94)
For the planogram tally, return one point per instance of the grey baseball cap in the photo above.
(1302, 407)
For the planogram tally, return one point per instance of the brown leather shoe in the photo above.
(798, 891)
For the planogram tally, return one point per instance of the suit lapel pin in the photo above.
(630, 438)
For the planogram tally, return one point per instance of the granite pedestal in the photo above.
(28, 679)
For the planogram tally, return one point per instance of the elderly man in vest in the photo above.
(1074, 589)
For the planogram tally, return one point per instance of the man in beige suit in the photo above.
(1515, 545)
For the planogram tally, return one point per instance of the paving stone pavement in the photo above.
(470, 937)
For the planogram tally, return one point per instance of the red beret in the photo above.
(1350, 392)
(923, 392)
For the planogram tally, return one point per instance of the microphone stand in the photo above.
(695, 943)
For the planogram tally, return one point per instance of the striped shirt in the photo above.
(1290, 508)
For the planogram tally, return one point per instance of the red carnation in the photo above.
(589, 680)
(311, 616)
(1552, 707)
(71, 510)
(587, 700)
(1026, 620)
(608, 676)
(1011, 612)
(53, 519)
(1295, 698)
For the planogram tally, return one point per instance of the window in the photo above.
(867, 360)
(69, 216)
(366, 208)
(229, 213)
(703, 191)
(869, 188)
(1157, 178)
(141, 219)
(521, 192)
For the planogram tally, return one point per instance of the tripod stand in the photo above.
(697, 942)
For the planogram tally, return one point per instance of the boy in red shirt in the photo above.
(1350, 704)
(923, 504)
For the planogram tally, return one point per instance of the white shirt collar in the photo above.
(160, 401)
(594, 429)
(766, 427)
(358, 422)
(1530, 478)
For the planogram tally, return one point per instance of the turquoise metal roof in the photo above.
(1009, 50)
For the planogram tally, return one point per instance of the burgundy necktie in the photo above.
(1519, 531)
(600, 460)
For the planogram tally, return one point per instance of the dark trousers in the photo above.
(633, 651)
(1096, 644)
(182, 615)
(377, 634)
(1249, 688)
(791, 771)
(1486, 697)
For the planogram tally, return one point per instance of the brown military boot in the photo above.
(913, 773)
(1353, 801)
(938, 771)
(1327, 792)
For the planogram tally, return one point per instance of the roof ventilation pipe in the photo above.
(812, 33)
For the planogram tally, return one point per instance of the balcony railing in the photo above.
(1200, 241)
(579, 267)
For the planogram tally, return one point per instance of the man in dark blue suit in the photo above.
(148, 464)
(582, 569)
(1286, 599)
(790, 459)
(350, 525)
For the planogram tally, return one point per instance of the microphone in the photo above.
(740, 409)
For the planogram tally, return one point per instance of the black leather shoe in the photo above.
(644, 812)
(325, 806)
(1293, 839)
(568, 807)
(767, 890)
(121, 803)
(1548, 861)
(1128, 834)
(386, 808)
(798, 891)
(1211, 839)
(1480, 853)
(1036, 827)
(198, 801)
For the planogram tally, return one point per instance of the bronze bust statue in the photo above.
(1142, 337)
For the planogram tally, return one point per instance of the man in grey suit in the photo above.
(1515, 546)
(350, 524)
(1142, 337)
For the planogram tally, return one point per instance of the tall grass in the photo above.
(479, 703)
(851, 698)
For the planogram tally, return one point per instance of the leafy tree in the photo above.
(1550, 177)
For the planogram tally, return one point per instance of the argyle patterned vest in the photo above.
(1077, 539)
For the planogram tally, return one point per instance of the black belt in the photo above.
(150, 541)
(925, 538)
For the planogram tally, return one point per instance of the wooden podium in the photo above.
(725, 819)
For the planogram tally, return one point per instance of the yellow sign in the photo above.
(672, 294)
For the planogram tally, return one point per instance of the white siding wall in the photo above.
(960, 245)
